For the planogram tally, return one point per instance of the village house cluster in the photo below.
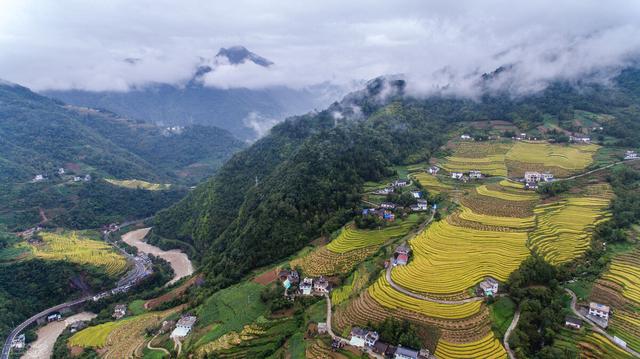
(308, 286)
(472, 175)
(386, 210)
(630, 155)
(60, 172)
(369, 340)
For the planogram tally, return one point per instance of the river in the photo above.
(47, 336)
(179, 261)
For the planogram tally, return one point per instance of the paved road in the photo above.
(139, 271)
(596, 328)
(344, 340)
(507, 334)
(597, 169)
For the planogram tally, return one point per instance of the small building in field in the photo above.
(465, 137)
(416, 194)
(322, 328)
(402, 249)
(580, 139)
(388, 205)
(358, 336)
(38, 178)
(401, 260)
(572, 322)
(87, 178)
(120, 311)
(406, 353)
(599, 310)
(306, 287)
(433, 170)
(384, 191)
(400, 183)
(457, 175)
(475, 174)
(183, 326)
(321, 285)
(77, 179)
(630, 155)
(489, 287)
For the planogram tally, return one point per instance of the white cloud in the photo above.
(78, 44)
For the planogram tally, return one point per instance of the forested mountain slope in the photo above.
(304, 179)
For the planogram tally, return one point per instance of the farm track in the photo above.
(596, 328)
(157, 348)
(507, 334)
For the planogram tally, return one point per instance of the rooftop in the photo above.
(408, 352)
(600, 307)
(573, 320)
(187, 321)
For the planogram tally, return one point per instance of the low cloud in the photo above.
(439, 47)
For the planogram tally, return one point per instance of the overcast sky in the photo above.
(83, 44)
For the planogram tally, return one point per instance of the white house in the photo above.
(388, 205)
(531, 176)
(371, 338)
(465, 137)
(489, 287)
(580, 139)
(358, 336)
(184, 326)
(630, 155)
(400, 183)
(77, 179)
(571, 322)
(457, 175)
(18, 342)
(321, 285)
(422, 204)
(547, 177)
(599, 310)
(475, 174)
(384, 191)
(416, 194)
(306, 287)
(38, 178)
(433, 170)
(120, 311)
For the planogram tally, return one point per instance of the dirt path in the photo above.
(594, 327)
(47, 336)
(179, 261)
(157, 348)
(507, 334)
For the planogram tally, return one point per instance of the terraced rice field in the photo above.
(568, 157)
(596, 346)
(96, 336)
(506, 193)
(515, 223)
(625, 271)
(388, 297)
(134, 184)
(512, 184)
(459, 258)
(431, 182)
(488, 157)
(76, 248)
(341, 294)
(352, 238)
(322, 261)
(487, 348)
(564, 228)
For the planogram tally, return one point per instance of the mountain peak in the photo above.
(240, 54)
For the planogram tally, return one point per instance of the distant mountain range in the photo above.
(247, 113)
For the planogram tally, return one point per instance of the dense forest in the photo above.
(304, 178)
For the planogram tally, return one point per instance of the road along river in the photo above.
(179, 261)
(47, 336)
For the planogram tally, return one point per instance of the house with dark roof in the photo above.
(572, 322)
(406, 353)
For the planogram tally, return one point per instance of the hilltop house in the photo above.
(457, 175)
(475, 174)
(321, 285)
(119, 311)
(630, 155)
(306, 287)
(489, 287)
(433, 170)
(571, 322)
(599, 310)
(406, 353)
(184, 326)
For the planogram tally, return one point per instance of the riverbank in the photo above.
(47, 336)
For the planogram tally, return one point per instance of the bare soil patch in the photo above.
(267, 277)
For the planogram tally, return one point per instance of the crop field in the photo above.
(564, 228)
(626, 325)
(77, 248)
(431, 182)
(96, 336)
(134, 184)
(460, 258)
(512, 184)
(569, 157)
(352, 238)
(488, 347)
(322, 261)
(492, 164)
(388, 297)
(493, 206)
(505, 194)
(515, 223)
(596, 346)
(341, 294)
(625, 271)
